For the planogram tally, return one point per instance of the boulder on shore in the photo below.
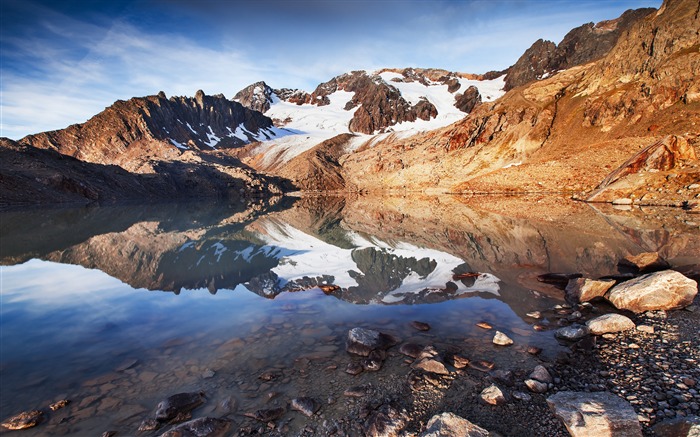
(609, 323)
(452, 425)
(600, 414)
(665, 290)
(585, 289)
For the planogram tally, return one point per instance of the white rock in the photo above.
(501, 339)
(609, 323)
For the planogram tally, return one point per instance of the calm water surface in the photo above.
(117, 308)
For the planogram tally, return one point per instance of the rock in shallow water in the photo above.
(584, 289)
(202, 427)
(665, 290)
(411, 349)
(178, 404)
(572, 333)
(24, 420)
(501, 339)
(609, 323)
(306, 406)
(451, 425)
(599, 414)
(362, 341)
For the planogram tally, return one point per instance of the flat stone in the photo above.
(459, 361)
(665, 290)
(24, 420)
(609, 323)
(599, 414)
(411, 349)
(622, 201)
(572, 333)
(149, 425)
(501, 339)
(647, 329)
(431, 365)
(178, 404)
(202, 427)
(493, 395)
(534, 314)
(584, 289)
(355, 392)
(268, 415)
(484, 325)
(451, 425)
(645, 262)
(481, 365)
(305, 405)
(420, 326)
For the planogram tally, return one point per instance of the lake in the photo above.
(116, 308)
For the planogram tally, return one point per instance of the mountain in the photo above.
(574, 120)
(135, 133)
(567, 132)
(364, 104)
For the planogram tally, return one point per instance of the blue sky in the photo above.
(63, 61)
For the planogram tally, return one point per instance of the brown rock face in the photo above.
(580, 46)
(663, 155)
(133, 133)
(466, 101)
(380, 104)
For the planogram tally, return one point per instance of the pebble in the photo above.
(484, 325)
(493, 395)
(502, 339)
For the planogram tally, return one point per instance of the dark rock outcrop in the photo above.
(466, 101)
(257, 96)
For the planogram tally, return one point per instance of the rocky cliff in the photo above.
(135, 133)
(581, 45)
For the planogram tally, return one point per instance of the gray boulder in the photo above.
(600, 414)
(362, 341)
(678, 427)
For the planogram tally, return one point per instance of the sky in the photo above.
(63, 61)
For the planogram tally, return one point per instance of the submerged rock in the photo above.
(267, 415)
(452, 425)
(572, 333)
(600, 414)
(24, 420)
(362, 341)
(58, 405)
(305, 405)
(202, 427)
(665, 290)
(411, 349)
(421, 326)
(609, 323)
(178, 404)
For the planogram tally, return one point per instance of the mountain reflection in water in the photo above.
(76, 319)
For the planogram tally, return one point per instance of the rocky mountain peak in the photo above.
(134, 133)
(581, 45)
(257, 96)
